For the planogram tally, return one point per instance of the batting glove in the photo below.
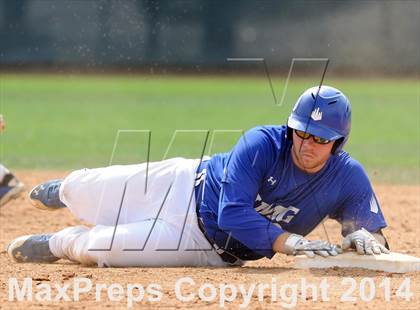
(297, 244)
(364, 242)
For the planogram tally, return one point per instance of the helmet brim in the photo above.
(313, 128)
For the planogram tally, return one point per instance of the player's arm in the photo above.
(243, 174)
(360, 214)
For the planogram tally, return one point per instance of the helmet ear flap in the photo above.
(336, 145)
(289, 133)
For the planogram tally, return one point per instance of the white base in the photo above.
(393, 262)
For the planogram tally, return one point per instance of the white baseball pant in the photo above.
(163, 214)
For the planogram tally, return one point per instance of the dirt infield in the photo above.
(401, 205)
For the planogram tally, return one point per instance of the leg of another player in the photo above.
(10, 186)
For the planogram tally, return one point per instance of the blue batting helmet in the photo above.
(324, 112)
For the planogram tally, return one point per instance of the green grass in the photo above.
(71, 121)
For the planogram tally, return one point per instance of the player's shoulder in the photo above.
(348, 161)
(276, 130)
(268, 141)
(275, 134)
(350, 168)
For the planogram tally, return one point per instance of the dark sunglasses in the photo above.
(304, 135)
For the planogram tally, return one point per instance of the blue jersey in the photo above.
(255, 192)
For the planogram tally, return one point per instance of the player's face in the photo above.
(309, 155)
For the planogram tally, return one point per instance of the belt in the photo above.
(198, 190)
(224, 255)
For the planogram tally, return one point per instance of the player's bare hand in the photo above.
(297, 245)
(2, 123)
(364, 242)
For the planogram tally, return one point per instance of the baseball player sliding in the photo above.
(264, 196)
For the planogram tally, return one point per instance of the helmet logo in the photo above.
(316, 115)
